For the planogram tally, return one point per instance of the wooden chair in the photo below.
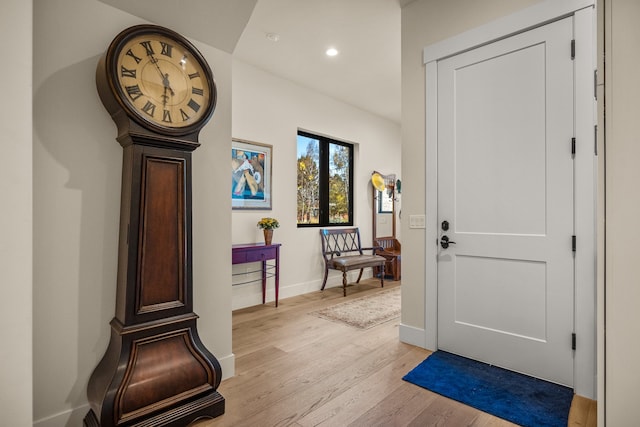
(341, 250)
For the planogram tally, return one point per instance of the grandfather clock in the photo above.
(160, 92)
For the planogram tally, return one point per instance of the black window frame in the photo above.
(323, 190)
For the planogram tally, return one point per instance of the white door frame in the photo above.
(585, 169)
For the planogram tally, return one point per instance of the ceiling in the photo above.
(218, 23)
(365, 73)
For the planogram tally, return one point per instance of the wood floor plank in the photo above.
(358, 399)
(407, 404)
(317, 394)
(447, 412)
(345, 355)
(583, 413)
(296, 369)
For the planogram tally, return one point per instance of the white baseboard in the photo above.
(248, 295)
(412, 335)
(228, 365)
(72, 417)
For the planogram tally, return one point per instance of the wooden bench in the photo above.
(342, 251)
(392, 251)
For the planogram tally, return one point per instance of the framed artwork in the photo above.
(251, 175)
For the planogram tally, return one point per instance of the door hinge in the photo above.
(573, 147)
(573, 49)
(595, 140)
(595, 84)
(573, 341)
(573, 243)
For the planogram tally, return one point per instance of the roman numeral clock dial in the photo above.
(160, 79)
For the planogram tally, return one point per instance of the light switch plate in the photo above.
(416, 221)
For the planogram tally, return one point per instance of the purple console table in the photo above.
(259, 252)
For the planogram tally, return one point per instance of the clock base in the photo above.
(210, 406)
(154, 374)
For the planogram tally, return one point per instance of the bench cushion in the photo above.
(348, 262)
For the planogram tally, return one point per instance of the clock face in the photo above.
(162, 79)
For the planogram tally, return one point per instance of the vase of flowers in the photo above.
(268, 225)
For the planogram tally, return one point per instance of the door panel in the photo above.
(509, 197)
(505, 184)
(503, 279)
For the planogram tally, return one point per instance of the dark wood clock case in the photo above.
(155, 371)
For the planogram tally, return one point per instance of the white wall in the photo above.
(76, 179)
(270, 110)
(622, 91)
(16, 245)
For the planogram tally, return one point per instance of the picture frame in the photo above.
(251, 164)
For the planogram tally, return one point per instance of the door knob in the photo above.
(445, 242)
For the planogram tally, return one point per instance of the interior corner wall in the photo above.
(622, 151)
(270, 110)
(425, 22)
(77, 166)
(16, 242)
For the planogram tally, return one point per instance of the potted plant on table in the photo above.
(268, 225)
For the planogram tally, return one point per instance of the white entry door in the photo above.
(505, 187)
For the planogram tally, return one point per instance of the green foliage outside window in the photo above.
(324, 193)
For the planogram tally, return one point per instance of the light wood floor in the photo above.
(294, 369)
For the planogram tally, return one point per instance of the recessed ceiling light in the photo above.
(274, 37)
(332, 51)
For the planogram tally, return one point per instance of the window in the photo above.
(325, 174)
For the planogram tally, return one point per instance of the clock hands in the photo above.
(165, 79)
(167, 85)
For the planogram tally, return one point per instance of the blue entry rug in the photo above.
(515, 397)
